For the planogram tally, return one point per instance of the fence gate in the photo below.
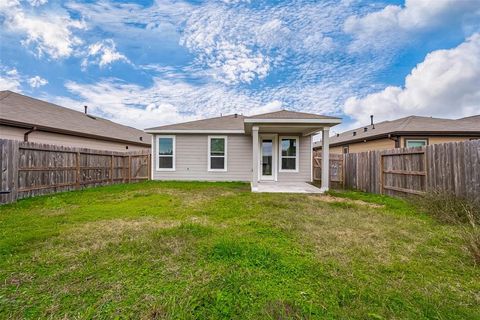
(336, 168)
(404, 172)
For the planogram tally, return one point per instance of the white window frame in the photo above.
(209, 156)
(157, 148)
(297, 154)
(407, 140)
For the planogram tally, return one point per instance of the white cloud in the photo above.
(445, 84)
(103, 53)
(48, 33)
(240, 44)
(394, 24)
(37, 81)
(37, 3)
(166, 101)
(9, 79)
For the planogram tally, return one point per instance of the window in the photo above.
(217, 153)
(410, 143)
(166, 153)
(289, 154)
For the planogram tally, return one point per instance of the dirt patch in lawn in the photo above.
(332, 199)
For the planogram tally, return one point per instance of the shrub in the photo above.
(448, 208)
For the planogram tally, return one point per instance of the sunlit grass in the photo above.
(190, 250)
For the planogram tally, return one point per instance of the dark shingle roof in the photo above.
(22, 110)
(236, 122)
(229, 122)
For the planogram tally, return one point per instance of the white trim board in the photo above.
(196, 131)
(321, 121)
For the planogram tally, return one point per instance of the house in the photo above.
(267, 149)
(28, 119)
(412, 131)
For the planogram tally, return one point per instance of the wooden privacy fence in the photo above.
(450, 167)
(336, 168)
(29, 169)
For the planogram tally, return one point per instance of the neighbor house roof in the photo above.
(412, 125)
(26, 112)
(236, 123)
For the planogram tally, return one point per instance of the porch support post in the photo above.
(325, 159)
(255, 152)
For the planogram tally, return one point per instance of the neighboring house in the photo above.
(28, 119)
(275, 147)
(410, 131)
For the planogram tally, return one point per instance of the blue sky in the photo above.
(149, 63)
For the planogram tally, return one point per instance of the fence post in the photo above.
(129, 168)
(149, 166)
(381, 173)
(111, 169)
(78, 169)
(9, 151)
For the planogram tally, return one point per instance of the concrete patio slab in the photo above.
(286, 187)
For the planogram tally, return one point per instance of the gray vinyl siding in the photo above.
(305, 163)
(191, 159)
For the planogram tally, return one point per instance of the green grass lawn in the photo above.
(216, 251)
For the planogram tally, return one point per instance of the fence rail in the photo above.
(29, 169)
(451, 167)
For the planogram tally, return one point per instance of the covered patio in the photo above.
(282, 151)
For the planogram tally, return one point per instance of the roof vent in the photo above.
(86, 109)
(365, 129)
(371, 122)
(338, 134)
(236, 115)
(141, 138)
(354, 133)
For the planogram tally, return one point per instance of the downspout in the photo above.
(25, 135)
(396, 139)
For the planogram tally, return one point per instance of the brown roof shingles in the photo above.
(236, 122)
(411, 124)
(26, 111)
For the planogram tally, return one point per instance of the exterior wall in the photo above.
(305, 162)
(191, 159)
(380, 144)
(14, 133)
(435, 140)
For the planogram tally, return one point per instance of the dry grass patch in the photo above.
(332, 199)
(97, 235)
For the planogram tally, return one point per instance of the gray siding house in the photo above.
(264, 149)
